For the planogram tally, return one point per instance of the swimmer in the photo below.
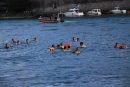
(61, 46)
(7, 46)
(68, 48)
(35, 39)
(18, 42)
(77, 51)
(117, 45)
(78, 39)
(82, 45)
(13, 41)
(27, 41)
(65, 49)
(120, 46)
(73, 39)
(52, 48)
(58, 46)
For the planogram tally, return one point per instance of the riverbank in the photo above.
(15, 15)
(21, 16)
(24, 16)
(4, 16)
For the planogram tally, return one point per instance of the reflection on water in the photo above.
(31, 65)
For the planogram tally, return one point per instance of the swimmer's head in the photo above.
(53, 45)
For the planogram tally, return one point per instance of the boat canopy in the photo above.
(96, 10)
(116, 8)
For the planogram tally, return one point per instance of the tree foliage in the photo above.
(18, 5)
(24, 5)
(85, 1)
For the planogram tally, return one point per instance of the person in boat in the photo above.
(55, 18)
(13, 40)
(61, 19)
(77, 51)
(82, 45)
(73, 39)
(117, 45)
(18, 42)
(35, 39)
(27, 41)
(7, 46)
(40, 17)
(52, 48)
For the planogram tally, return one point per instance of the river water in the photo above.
(97, 65)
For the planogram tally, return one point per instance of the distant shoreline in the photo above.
(11, 16)
(15, 17)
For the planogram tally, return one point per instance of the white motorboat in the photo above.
(94, 12)
(117, 10)
(73, 13)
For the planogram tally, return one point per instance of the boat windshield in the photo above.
(94, 10)
(71, 10)
(116, 8)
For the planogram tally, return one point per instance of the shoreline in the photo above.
(15, 17)
(6, 17)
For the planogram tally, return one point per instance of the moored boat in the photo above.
(94, 12)
(74, 13)
(117, 10)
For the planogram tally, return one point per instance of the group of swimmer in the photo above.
(7, 46)
(67, 47)
(74, 39)
(64, 47)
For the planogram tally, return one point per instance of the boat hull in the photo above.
(117, 10)
(48, 21)
(73, 14)
(93, 14)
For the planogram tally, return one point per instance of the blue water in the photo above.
(98, 65)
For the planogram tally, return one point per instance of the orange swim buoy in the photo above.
(67, 45)
(122, 47)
